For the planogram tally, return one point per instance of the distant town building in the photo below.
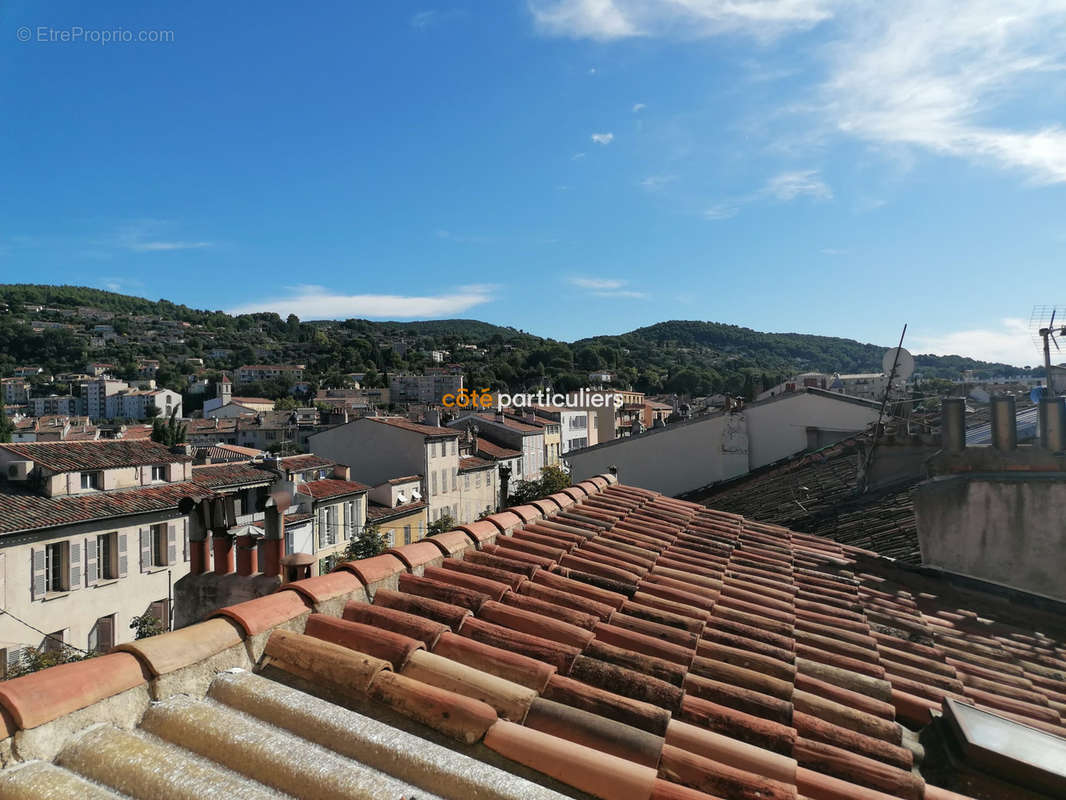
(380, 448)
(16, 391)
(429, 388)
(54, 404)
(256, 373)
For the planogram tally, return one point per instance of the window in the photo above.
(455, 480)
(57, 567)
(102, 635)
(106, 556)
(330, 537)
(159, 473)
(477, 479)
(159, 545)
(160, 609)
(466, 481)
(407, 534)
(433, 482)
(54, 642)
(91, 480)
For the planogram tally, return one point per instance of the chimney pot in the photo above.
(953, 424)
(1004, 423)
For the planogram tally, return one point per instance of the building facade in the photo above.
(90, 537)
(380, 448)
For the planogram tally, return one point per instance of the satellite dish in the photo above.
(904, 365)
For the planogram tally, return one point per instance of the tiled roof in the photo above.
(227, 452)
(472, 462)
(816, 493)
(100, 454)
(494, 451)
(134, 432)
(414, 427)
(406, 479)
(509, 422)
(376, 511)
(629, 647)
(259, 401)
(304, 462)
(217, 476)
(22, 511)
(211, 424)
(331, 487)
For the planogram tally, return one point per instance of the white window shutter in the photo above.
(92, 574)
(146, 548)
(75, 565)
(123, 562)
(39, 585)
(172, 543)
(185, 532)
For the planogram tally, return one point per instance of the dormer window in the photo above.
(159, 473)
(92, 480)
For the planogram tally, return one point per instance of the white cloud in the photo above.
(577, 156)
(620, 19)
(607, 287)
(592, 70)
(154, 247)
(802, 183)
(602, 138)
(148, 236)
(423, 19)
(654, 183)
(462, 238)
(637, 107)
(721, 211)
(623, 294)
(932, 74)
(318, 302)
(597, 283)
(1010, 343)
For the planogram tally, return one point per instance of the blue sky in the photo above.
(568, 167)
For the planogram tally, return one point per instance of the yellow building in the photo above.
(400, 525)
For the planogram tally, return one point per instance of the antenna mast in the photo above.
(864, 477)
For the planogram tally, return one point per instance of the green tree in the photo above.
(146, 625)
(285, 403)
(442, 525)
(369, 543)
(7, 427)
(33, 659)
(171, 432)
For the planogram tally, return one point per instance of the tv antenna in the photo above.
(1045, 333)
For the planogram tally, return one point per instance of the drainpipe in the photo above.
(1004, 423)
(953, 424)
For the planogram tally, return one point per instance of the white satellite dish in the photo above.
(904, 365)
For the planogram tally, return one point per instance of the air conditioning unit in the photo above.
(19, 470)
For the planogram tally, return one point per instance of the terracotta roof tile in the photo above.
(22, 510)
(99, 454)
(217, 476)
(328, 488)
(647, 648)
